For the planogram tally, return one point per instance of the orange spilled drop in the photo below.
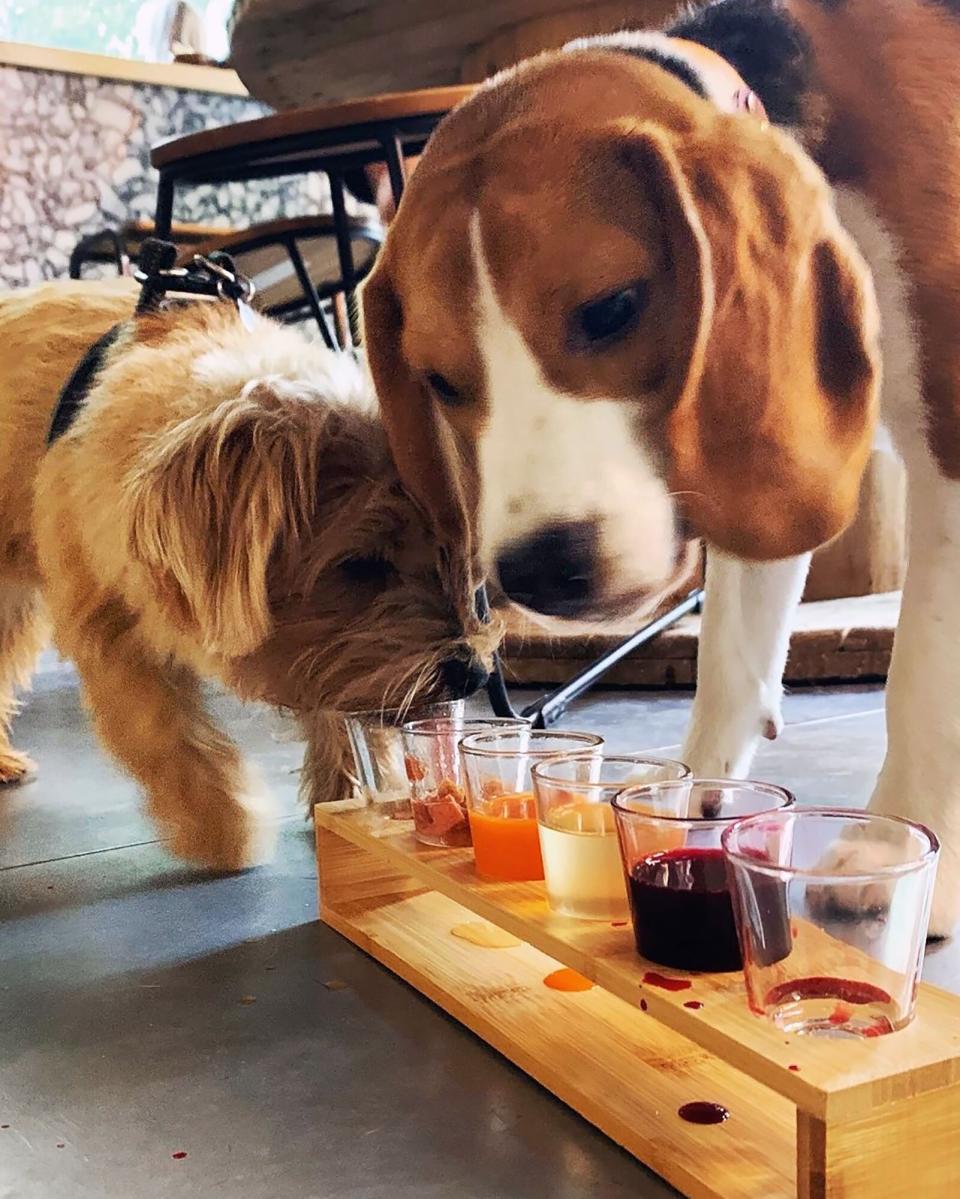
(567, 980)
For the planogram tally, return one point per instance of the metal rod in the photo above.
(163, 218)
(393, 153)
(303, 275)
(341, 228)
(551, 707)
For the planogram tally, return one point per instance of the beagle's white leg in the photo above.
(920, 778)
(744, 638)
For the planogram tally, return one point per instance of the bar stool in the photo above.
(294, 267)
(335, 139)
(293, 263)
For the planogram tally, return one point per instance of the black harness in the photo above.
(211, 277)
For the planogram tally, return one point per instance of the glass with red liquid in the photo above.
(435, 773)
(857, 890)
(503, 811)
(676, 874)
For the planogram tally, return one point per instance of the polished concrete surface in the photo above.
(165, 1034)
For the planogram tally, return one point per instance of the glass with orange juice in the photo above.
(578, 833)
(502, 808)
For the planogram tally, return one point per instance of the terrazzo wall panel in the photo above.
(74, 158)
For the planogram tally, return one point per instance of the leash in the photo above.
(212, 276)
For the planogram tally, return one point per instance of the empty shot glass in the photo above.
(856, 889)
(503, 812)
(377, 748)
(578, 835)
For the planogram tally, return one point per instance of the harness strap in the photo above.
(213, 276)
(79, 384)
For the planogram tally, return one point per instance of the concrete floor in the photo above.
(163, 1034)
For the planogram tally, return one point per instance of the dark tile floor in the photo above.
(125, 1039)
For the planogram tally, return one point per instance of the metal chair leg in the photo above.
(163, 217)
(310, 291)
(396, 167)
(80, 250)
(341, 226)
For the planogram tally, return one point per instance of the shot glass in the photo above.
(503, 812)
(435, 773)
(855, 889)
(675, 871)
(377, 748)
(578, 835)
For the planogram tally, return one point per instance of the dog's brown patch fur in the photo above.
(889, 71)
(223, 507)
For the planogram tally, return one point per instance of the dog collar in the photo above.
(724, 83)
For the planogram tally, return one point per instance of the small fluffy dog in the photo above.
(223, 507)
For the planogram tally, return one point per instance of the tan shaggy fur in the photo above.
(224, 507)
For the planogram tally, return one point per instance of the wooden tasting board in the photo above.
(874, 1119)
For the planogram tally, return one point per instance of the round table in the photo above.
(295, 52)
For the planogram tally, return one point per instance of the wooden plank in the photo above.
(185, 76)
(906, 1151)
(845, 639)
(838, 1080)
(623, 1072)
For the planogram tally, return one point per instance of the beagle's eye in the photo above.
(606, 319)
(442, 388)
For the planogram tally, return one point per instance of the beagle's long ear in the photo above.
(428, 458)
(769, 444)
(650, 158)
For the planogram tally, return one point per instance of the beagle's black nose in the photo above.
(462, 676)
(554, 571)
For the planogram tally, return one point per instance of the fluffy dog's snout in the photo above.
(463, 675)
(555, 570)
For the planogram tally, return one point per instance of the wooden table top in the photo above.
(296, 52)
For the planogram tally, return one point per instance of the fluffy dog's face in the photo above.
(278, 533)
(623, 318)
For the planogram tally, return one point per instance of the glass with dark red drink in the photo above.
(676, 873)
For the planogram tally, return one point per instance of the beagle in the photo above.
(634, 293)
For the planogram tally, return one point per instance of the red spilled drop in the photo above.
(694, 1005)
(179, 1155)
(703, 1112)
(654, 979)
(643, 1008)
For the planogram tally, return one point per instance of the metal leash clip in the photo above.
(231, 285)
(213, 276)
